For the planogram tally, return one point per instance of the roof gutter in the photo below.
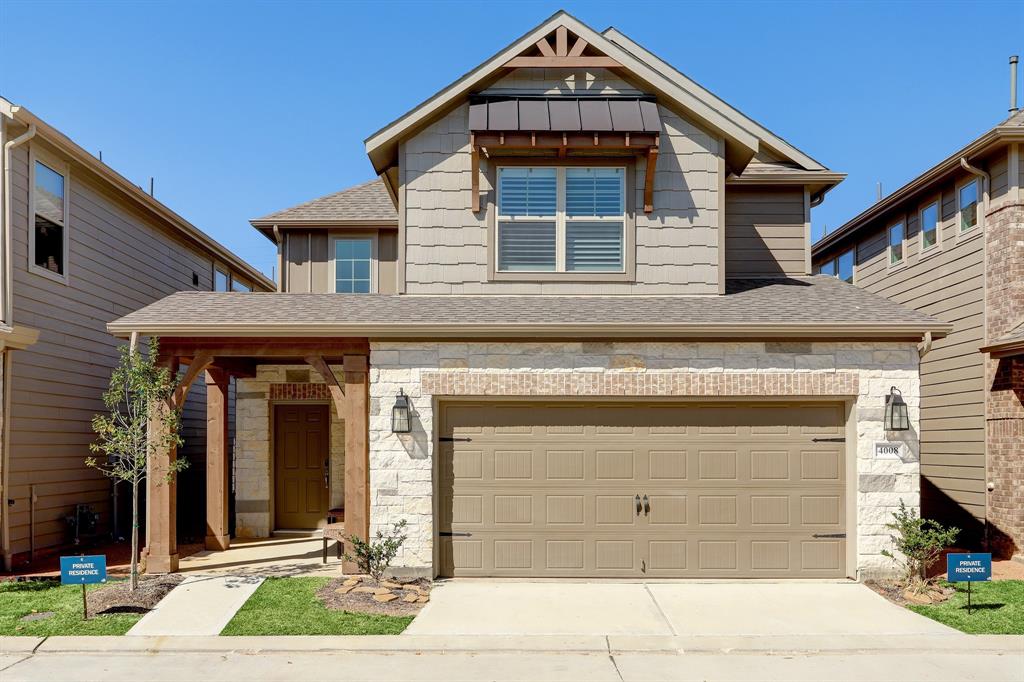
(406, 330)
(1005, 349)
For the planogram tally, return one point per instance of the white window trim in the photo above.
(561, 219)
(922, 251)
(36, 154)
(332, 282)
(903, 245)
(974, 229)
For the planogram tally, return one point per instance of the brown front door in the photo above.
(301, 454)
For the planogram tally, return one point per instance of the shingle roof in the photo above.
(368, 202)
(807, 305)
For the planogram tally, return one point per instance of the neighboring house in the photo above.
(81, 246)
(950, 243)
(570, 332)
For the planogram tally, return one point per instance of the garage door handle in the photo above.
(647, 506)
(829, 535)
(638, 507)
(450, 534)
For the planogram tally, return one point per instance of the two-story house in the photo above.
(571, 331)
(81, 246)
(950, 243)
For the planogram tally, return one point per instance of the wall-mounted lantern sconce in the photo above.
(896, 416)
(401, 421)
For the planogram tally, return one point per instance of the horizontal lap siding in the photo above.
(765, 233)
(949, 285)
(446, 243)
(119, 261)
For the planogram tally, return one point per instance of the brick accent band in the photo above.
(640, 383)
(297, 391)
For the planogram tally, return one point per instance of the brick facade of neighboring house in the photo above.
(1004, 381)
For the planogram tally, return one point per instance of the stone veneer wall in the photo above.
(253, 461)
(401, 465)
(1004, 380)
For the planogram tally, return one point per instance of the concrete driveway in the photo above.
(682, 609)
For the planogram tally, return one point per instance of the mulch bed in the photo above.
(358, 600)
(118, 598)
(895, 593)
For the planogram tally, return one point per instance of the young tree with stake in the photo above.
(140, 391)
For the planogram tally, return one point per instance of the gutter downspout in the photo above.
(8, 319)
(280, 259)
(985, 180)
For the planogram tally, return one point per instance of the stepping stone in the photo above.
(344, 589)
(410, 598)
(423, 600)
(382, 591)
(385, 598)
(41, 615)
(365, 590)
(350, 582)
(390, 585)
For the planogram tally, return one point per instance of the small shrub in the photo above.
(374, 557)
(920, 541)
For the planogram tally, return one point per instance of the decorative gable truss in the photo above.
(561, 55)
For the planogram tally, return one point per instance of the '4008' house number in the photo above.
(888, 450)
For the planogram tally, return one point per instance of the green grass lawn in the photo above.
(288, 606)
(997, 608)
(19, 599)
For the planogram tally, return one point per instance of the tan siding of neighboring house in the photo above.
(119, 261)
(446, 248)
(765, 233)
(947, 283)
(308, 259)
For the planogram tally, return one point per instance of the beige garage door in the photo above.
(642, 489)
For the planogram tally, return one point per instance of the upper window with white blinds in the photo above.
(561, 219)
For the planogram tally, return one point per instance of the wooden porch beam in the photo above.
(240, 368)
(260, 348)
(318, 363)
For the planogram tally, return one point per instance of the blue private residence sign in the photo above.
(83, 570)
(968, 568)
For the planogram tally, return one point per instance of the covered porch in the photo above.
(301, 408)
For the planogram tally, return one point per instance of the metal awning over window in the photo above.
(565, 123)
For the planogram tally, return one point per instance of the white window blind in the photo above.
(557, 219)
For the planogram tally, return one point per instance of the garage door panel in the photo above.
(552, 490)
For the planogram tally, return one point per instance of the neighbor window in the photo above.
(967, 203)
(929, 226)
(845, 266)
(49, 231)
(827, 268)
(561, 219)
(221, 280)
(353, 263)
(237, 285)
(896, 235)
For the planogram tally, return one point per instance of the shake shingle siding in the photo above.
(446, 243)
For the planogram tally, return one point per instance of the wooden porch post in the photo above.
(357, 452)
(217, 480)
(162, 496)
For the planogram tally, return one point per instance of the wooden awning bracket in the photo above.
(318, 363)
(652, 164)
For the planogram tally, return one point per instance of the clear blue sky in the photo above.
(240, 109)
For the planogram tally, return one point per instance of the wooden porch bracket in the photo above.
(198, 365)
(318, 363)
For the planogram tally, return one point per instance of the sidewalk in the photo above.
(621, 658)
(200, 605)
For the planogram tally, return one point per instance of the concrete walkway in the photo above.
(200, 605)
(673, 609)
